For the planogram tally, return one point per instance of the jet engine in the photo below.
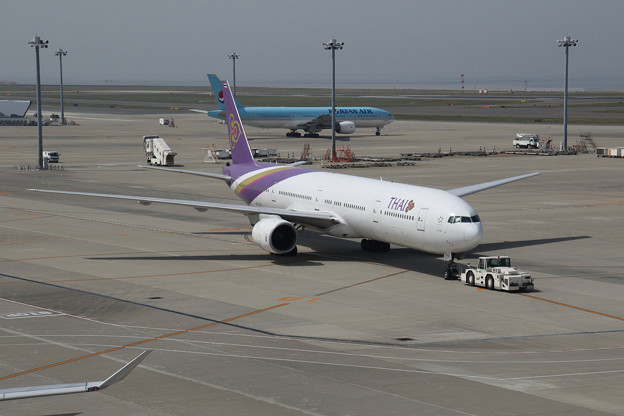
(275, 235)
(345, 127)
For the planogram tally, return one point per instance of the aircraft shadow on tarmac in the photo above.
(338, 138)
(224, 232)
(331, 249)
(64, 414)
(526, 243)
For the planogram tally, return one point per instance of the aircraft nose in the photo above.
(473, 233)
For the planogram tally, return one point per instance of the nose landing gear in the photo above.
(452, 271)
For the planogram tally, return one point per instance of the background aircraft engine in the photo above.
(345, 127)
(275, 235)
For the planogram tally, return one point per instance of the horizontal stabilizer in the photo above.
(472, 189)
(298, 163)
(191, 172)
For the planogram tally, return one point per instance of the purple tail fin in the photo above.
(241, 153)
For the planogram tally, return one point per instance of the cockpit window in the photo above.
(457, 218)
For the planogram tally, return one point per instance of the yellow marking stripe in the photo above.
(243, 184)
(362, 283)
(143, 341)
(572, 306)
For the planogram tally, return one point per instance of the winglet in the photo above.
(123, 371)
(241, 153)
(57, 389)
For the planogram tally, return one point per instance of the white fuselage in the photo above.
(421, 218)
(295, 123)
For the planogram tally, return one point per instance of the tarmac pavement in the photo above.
(332, 331)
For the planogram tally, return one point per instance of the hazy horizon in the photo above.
(496, 44)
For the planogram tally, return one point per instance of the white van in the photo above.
(52, 157)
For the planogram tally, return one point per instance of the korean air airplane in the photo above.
(309, 119)
(280, 199)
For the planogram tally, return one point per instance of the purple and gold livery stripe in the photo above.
(249, 188)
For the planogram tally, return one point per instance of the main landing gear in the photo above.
(294, 133)
(374, 245)
(378, 132)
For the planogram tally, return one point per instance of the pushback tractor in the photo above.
(497, 273)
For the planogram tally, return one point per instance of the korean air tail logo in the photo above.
(235, 131)
(220, 97)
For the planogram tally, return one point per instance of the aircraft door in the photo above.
(317, 199)
(420, 221)
(376, 211)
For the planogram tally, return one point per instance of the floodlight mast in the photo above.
(61, 53)
(566, 42)
(38, 43)
(333, 45)
(233, 56)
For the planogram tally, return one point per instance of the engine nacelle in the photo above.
(345, 127)
(275, 235)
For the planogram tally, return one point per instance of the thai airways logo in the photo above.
(403, 205)
(235, 131)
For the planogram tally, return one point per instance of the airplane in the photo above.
(309, 119)
(283, 198)
(84, 387)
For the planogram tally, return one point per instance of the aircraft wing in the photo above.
(87, 386)
(320, 219)
(317, 123)
(472, 189)
(198, 111)
(191, 172)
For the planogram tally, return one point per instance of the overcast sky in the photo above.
(392, 42)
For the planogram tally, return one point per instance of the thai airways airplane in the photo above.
(282, 198)
(309, 119)
(70, 388)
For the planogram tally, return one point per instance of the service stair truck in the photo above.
(157, 151)
(497, 273)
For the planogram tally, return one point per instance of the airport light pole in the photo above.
(38, 43)
(61, 53)
(333, 45)
(566, 42)
(233, 56)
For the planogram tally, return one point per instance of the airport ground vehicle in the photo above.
(51, 156)
(497, 273)
(158, 151)
(530, 141)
